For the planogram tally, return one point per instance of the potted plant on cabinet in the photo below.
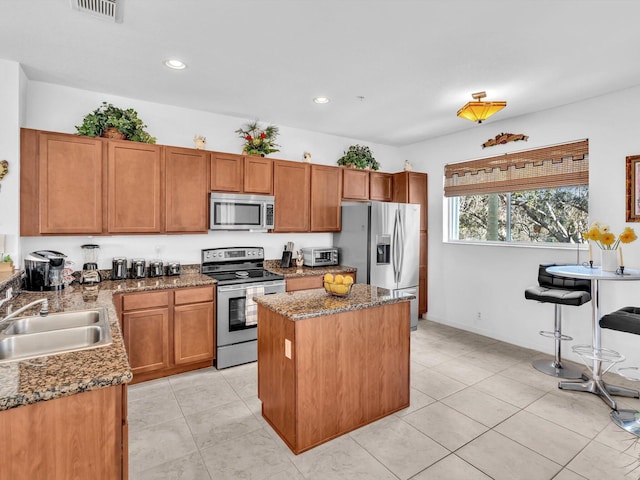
(359, 156)
(113, 122)
(258, 141)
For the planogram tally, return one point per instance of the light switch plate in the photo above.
(287, 348)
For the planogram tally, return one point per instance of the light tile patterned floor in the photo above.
(478, 411)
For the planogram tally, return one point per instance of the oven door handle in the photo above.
(235, 288)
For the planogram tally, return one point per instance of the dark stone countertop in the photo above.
(274, 266)
(30, 381)
(303, 304)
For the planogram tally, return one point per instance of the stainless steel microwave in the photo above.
(241, 212)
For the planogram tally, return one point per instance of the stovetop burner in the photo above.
(236, 265)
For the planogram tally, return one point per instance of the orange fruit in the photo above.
(328, 277)
(338, 279)
(348, 280)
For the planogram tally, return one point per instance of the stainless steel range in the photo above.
(238, 270)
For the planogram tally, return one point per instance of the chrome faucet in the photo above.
(44, 310)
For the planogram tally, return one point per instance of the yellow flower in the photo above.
(592, 234)
(605, 229)
(628, 235)
(607, 238)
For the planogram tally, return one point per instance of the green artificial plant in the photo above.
(108, 115)
(359, 156)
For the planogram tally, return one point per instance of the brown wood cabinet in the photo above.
(326, 192)
(186, 188)
(411, 187)
(168, 331)
(380, 186)
(311, 281)
(61, 178)
(241, 174)
(134, 187)
(75, 437)
(355, 184)
(291, 187)
(340, 372)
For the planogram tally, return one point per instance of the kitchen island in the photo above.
(328, 365)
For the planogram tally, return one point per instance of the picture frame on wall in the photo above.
(633, 188)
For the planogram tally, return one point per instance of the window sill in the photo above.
(541, 245)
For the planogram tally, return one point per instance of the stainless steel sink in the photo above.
(54, 321)
(31, 337)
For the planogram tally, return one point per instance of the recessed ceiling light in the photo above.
(321, 100)
(175, 64)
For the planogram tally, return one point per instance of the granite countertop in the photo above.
(30, 381)
(303, 304)
(274, 266)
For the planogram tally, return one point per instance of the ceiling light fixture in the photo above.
(321, 100)
(175, 64)
(477, 111)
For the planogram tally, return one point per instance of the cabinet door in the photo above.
(418, 194)
(355, 184)
(186, 189)
(146, 338)
(258, 175)
(291, 189)
(380, 185)
(326, 192)
(226, 172)
(135, 173)
(194, 339)
(70, 184)
(422, 290)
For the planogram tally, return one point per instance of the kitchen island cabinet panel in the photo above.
(186, 189)
(134, 190)
(325, 375)
(75, 437)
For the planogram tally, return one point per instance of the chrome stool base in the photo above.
(551, 367)
(628, 420)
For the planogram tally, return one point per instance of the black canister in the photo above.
(119, 268)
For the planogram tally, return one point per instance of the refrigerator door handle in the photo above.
(395, 247)
(401, 246)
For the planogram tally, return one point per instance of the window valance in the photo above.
(548, 167)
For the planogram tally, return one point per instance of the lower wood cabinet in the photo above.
(82, 436)
(311, 281)
(168, 331)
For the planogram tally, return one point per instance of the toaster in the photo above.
(320, 256)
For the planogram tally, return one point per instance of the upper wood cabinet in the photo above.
(186, 188)
(258, 175)
(380, 186)
(241, 174)
(326, 191)
(134, 186)
(355, 184)
(291, 187)
(61, 184)
(226, 172)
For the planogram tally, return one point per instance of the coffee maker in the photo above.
(44, 271)
(90, 273)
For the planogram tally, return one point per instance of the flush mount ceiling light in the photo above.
(175, 64)
(477, 111)
(321, 100)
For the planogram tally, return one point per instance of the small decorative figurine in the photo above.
(299, 259)
(200, 142)
(307, 156)
(407, 166)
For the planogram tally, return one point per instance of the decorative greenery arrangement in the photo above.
(359, 156)
(125, 121)
(259, 141)
(601, 235)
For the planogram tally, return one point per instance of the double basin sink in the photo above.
(34, 336)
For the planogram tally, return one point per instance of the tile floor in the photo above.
(478, 411)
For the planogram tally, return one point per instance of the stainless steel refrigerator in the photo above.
(382, 240)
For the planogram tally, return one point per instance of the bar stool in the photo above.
(559, 291)
(627, 320)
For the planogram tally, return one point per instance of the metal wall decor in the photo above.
(503, 138)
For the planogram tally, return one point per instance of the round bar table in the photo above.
(596, 384)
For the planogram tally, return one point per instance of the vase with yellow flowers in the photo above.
(609, 244)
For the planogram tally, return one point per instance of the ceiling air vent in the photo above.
(105, 9)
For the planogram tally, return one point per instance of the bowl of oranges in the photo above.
(340, 285)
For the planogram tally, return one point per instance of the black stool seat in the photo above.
(557, 295)
(626, 319)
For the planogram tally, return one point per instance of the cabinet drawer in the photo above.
(193, 295)
(136, 301)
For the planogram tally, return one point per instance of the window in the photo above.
(538, 195)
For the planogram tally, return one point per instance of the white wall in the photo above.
(465, 280)
(56, 108)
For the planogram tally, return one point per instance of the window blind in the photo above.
(548, 167)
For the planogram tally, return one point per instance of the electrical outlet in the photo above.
(287, 348)
(479, 317)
